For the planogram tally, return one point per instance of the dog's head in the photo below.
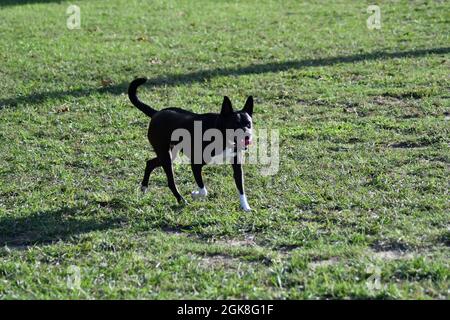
(239, 121)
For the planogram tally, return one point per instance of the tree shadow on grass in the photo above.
(4, 3)
(204, 75)
(45, 227)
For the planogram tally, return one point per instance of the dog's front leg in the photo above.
(239, 179)
(197, 171)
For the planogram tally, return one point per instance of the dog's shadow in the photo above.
(46, 227)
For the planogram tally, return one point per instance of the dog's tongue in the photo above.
(247, 141)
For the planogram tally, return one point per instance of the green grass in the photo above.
(364, 173)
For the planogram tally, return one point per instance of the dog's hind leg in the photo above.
(151, 165)
(197, 171)
(166, 163)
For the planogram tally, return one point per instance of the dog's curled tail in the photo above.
(149, 111)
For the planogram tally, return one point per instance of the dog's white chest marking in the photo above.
(224, 157)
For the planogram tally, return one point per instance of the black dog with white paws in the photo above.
(164, 122)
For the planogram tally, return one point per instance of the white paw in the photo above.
(143, 189)
(244, 203)
(201, 193)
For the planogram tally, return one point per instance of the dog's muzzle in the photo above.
(245, 143)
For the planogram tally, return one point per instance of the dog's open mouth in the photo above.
(243, 144)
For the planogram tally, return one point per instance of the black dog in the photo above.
(166, 121)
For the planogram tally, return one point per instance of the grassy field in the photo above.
(358, 209)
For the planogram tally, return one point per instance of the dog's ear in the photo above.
(227, 108)
(248, 106)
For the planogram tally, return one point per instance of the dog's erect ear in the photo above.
(248, 106)
(227, 108)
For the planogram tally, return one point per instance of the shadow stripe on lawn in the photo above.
(200, 76)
